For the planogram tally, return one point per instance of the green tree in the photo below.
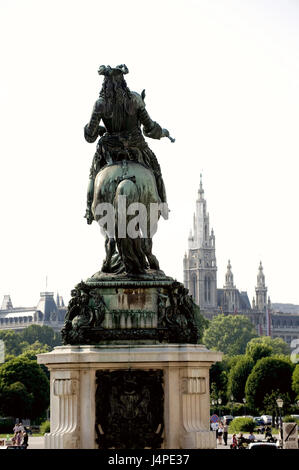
(278, 345)
(201, 322)
(31, 376)
(43, 334)
(229, 334)
(16, 400)
(12, 341)
(237, 378)
(32, 350)
(270, 404)
(295, 381)
(256, 350)
(218, 380)
(268, 375)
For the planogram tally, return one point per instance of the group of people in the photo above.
(238, 441)
(222, 432)
(20, 437)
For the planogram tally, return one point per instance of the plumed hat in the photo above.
(108, 71)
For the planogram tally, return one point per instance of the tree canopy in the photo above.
(237, 378)
(256, 350)
(18, 342)
(269, 375)
(295, 381)
(23, 377)
(43, 334)
(278, 345)
(229, 334)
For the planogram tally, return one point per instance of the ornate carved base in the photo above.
(65, 408)
(128, 396)
(129, 409)
(118, 309)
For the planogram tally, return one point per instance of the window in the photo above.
(207, 289)
(194, 288)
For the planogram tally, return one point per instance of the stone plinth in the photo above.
(185, 377)
(147, 309)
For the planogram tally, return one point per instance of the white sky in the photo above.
(222, 76)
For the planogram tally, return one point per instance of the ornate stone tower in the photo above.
(200, 270)
(230, 291)
(261, 291)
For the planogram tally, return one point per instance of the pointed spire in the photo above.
(229, 277)
(200, 191)
(261, 276)
(6, 303)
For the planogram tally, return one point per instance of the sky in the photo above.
(220, 75)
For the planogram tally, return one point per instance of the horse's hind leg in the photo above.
(130, 249)
(110, 248)
(147, 248)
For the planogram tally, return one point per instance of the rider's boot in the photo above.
(88, 214)
(162, 194)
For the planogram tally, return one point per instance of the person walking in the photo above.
(220, 433)
(225, 432)
(18, 438)
(25, 440)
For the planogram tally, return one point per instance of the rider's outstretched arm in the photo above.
(150, 128)
(92, 130)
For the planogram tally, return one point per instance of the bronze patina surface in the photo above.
(130, 299)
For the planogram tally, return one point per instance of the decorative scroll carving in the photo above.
(194, 385)
(193, 390)
(129, 409)
(170, 320)
(65, 387)
(66, 433)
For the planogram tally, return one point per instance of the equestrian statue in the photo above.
(124, 172)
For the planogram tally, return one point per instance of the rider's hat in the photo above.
(108, 71)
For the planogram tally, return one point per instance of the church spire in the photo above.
(200, 191)
(229, 277)
(201, 237)
(261, 290)
(200, 269)
(261, 276)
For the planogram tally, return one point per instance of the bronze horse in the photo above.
(124, 188)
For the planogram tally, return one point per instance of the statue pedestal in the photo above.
(78, 383)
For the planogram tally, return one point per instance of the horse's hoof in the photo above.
(88, 216)
(105, 268)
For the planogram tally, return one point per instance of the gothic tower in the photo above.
(200, 270)
(230, 292)
(261, 291)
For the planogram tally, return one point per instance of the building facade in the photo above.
(200, 277)
(48, 312)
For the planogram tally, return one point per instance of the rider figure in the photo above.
(122, 112)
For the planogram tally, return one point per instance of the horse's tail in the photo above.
(129, 248)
